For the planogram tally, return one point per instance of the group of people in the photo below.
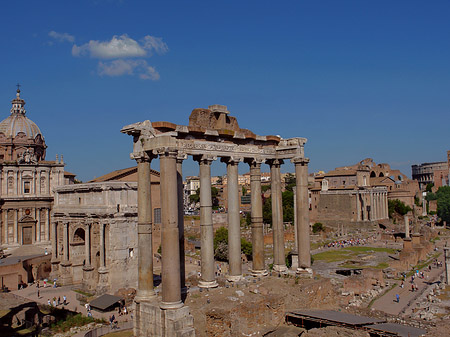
(56, 301)
(345, 243)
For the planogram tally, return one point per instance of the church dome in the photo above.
(20, 138)
(17, 122)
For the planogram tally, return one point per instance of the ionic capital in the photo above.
(275, 162)
(205, 159)
(300, 161)
(181, 156)
(254, 162)
(232, 160)
(170, 152)
(141, 157)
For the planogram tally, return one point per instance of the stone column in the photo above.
(87, 246)
(16, 226)
(145, 245)
(6, 227)
(170, 248)
(424, 204)
(406, 226)
(258, 263)
(54, 242)
(66, 242)
(234, 225)
(358, 207)
(38, 224)
(180, 159)
(206, 224)
(302, 210)
(447, 264)
(279, 262)
(102, 246)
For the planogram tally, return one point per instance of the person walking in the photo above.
(397, 296)
(38, 293)
(64, 299)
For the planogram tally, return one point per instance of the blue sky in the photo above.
(357, 78)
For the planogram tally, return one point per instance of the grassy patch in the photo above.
(84, 293)
(349, 253)
(423, 264)
(72, 321)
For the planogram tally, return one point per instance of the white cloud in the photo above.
(128, 67)
(121, 47)
(61, 37)
(156, 43)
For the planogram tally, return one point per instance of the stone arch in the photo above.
(79, 235)
(373, 174)
(381, 174)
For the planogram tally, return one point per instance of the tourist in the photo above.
(38, 293)
(49, 303)
(45, 283)
(59, 300)
(37, 284)
(64, 299)
(397, 296)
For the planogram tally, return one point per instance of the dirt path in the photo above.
(388, 303)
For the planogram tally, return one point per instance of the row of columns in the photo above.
(378, 206)
(172, 241)
(12, 184)
(38, 229)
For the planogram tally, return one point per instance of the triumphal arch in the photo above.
(211, 134)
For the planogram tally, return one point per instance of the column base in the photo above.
(171, 305)
(294, 264)
(281, 268)
(152, 321)
(145, 296)
(208, 284)
(259, 273)
(304, 272)
(234, 278)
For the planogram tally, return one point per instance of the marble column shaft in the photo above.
(206, 225)
(87, 245)
(102, 245)
(170, 248)
(258, 263)
(279, 260)
(6, 224)
(302, 210)
(234, 225)
(180, 159)
(38, 224)
(16, 226)
(406, 226)
(145, 244)
(54, 242)
(48, 225)
(66, 242)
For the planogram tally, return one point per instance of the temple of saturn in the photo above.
(211, 134)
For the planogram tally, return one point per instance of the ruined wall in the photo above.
(336, 207)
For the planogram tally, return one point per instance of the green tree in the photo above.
(289, 182)
(267, 211)
(397, 206)
(221, 245)
(317, 227)
(429, 187)
(214, 193)
(244, 190)
(443, 203)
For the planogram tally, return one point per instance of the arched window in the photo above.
(373, 174)
(78, 236)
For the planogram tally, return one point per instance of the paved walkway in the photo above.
(388, 303)
(72, 303)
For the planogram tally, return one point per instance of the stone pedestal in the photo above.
(416, 241)
(152, 321)
(294, 264)
(102, 286)
(407, 244)
(65, 275)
